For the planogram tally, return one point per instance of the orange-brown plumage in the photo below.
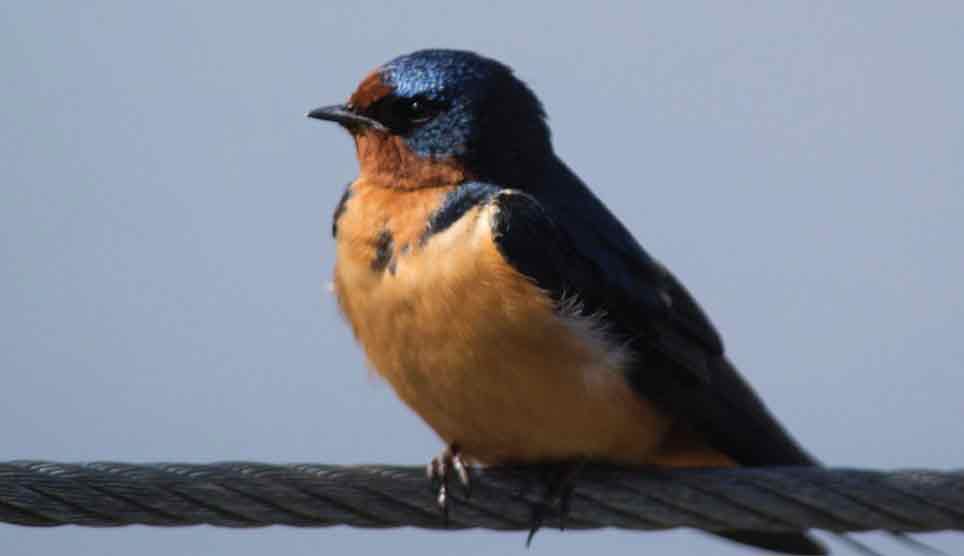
(480, 352)
(370, 210)
(387, 161)
(473, 346)
(371, 89)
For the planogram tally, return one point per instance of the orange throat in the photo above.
(386, 160)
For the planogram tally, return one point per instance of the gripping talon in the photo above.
(559, 484)
(439, 471)
(463, 472)
(433, 473)
(443, 501)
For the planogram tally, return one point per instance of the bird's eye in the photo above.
(403, 114)
(417, 110)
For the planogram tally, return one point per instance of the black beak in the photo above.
(345, 116)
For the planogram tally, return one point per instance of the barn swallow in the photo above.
(509, 308)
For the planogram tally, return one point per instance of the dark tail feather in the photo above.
(787, 543)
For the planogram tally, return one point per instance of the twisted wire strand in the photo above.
(243, 494)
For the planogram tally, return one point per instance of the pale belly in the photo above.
(481, 354)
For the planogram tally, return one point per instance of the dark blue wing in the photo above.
(571, 245)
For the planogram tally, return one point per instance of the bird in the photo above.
(509, 308)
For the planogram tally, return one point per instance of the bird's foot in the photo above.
(440, 469)
(559, 480)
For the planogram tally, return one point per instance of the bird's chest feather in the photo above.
(473, 346)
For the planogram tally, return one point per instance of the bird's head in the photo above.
(439, 117)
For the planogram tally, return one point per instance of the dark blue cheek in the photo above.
(447, 136)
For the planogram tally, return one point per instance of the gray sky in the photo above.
(165, 213)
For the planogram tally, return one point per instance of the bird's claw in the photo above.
(440, 470)
(559, 482)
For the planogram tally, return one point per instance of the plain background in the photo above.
(165, 214)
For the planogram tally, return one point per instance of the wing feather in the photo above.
(680, 358)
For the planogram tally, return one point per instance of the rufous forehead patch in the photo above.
(369, 91)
